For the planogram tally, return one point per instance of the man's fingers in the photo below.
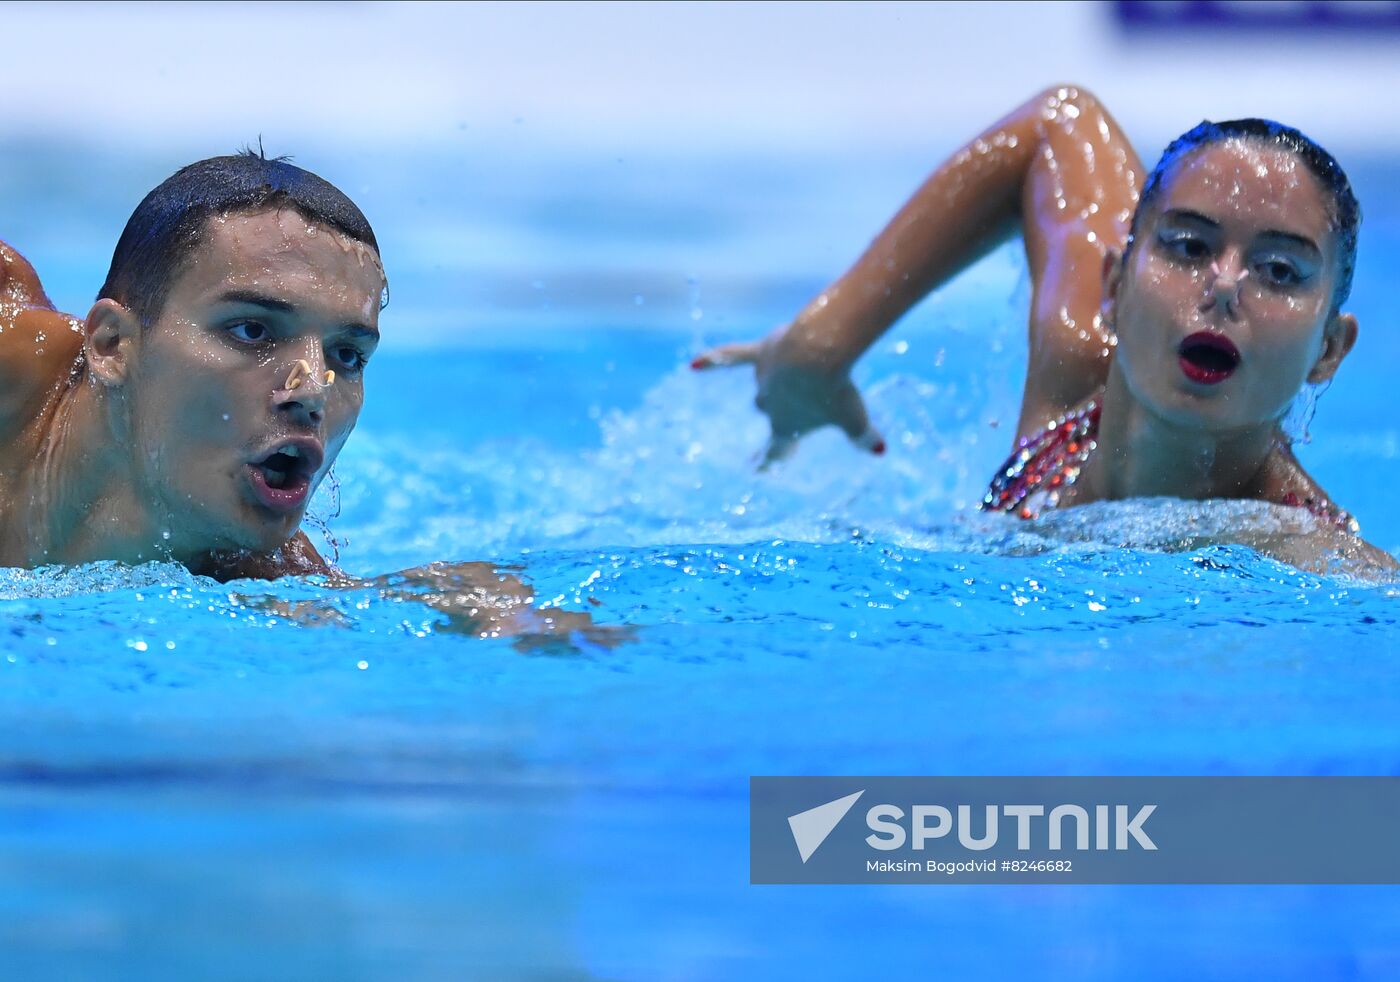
(740, 353)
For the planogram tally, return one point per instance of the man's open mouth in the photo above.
(282, 479)
(1208, 358)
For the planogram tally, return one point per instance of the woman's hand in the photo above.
(800, 389)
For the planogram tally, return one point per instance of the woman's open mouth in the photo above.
(282, 479)
(1208, 358)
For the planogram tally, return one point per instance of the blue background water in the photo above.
(191, 785)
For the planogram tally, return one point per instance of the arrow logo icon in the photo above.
(810, 828)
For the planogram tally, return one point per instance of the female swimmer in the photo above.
(1173, 320)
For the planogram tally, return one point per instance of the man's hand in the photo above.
(490, 602)
(479, 599)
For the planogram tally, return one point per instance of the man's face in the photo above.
(226, 443)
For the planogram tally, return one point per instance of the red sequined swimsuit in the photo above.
(1044, 465)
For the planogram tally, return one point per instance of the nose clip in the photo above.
(301, 371)
(1224, 290)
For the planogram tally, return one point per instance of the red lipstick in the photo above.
(1208, 358)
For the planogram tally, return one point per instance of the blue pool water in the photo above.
(193, 786)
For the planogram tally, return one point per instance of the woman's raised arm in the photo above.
(1058, 170)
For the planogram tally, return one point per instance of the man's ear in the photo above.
(111, 336)
(1336, 342)
(1112, 274)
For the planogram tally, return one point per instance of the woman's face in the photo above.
(1224, 307)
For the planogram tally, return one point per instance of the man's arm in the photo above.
(38, 345)
(478, 598)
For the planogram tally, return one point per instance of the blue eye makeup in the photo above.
(1183, 244)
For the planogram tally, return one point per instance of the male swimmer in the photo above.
(191, 415)
(1173, 321)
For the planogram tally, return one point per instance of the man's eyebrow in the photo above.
(362, 331)
(1293, 238)
(256, 299)
(278, 305)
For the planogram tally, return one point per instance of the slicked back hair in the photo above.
(171, 221)
(1344, 209)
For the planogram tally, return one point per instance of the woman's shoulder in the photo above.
(1287, 482)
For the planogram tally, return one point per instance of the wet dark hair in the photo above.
(1346, 211)
(170, 221)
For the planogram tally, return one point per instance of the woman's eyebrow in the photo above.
(1294, 239)
(1186, 213)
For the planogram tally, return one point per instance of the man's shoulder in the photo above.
(19, 282)
(39, 346)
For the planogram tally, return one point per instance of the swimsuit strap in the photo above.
(1044, 464)
(1324, 510)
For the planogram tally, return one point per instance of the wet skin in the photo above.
(1258, 217)
(1238, 245)
(208, 384)
(135, 443)
(1059, 171)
